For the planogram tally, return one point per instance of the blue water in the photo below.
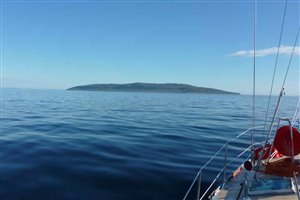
(59, 144)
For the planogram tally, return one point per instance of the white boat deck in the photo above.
(235, 189)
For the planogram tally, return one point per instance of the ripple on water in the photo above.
(101, 145)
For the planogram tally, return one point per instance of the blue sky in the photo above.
(60, 44)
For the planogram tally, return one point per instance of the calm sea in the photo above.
(59, 144)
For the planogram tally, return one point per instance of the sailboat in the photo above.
(272, 167)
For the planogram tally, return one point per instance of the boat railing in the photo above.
(223, 170)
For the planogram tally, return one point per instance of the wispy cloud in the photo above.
(285, 50)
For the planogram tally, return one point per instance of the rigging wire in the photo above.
(254, 74)
(275, 68)
(290, 61)
(297, 113)
(279, 99)
(282, 88)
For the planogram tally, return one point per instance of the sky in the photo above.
(61, 44)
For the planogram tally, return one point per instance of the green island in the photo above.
(151, 87)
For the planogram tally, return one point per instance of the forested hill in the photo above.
(151, 87)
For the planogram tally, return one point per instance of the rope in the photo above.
(283, 167)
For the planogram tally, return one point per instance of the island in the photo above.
(151, 87)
